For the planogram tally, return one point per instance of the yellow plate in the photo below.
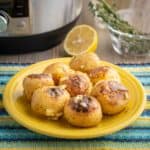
(20, 111)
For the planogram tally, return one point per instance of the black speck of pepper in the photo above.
(82, 105)
(76, 80)
(55, 92)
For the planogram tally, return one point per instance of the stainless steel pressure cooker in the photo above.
(32, 25)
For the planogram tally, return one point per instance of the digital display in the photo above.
(15, 8)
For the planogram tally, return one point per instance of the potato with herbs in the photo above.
(83, 111)
(112, 95)
(49, 101)
(85, 62)
(78, 83)
(103, 73)
(35, 81)
(58, 70)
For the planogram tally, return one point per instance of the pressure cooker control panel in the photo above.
(15, 8)
(14, 17)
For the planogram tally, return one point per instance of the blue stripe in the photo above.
(14, 64)
(3, 82)
(4, 78)
(77, 141)
(146, 113)
(14, 128)
(144, 79)
(29, 135)
(146, 84)
(143, 76)
(6, 75)
(61, 140)
(136, 128)
(105, 139)
(148, 97)
(122, 65)
(3, 112)
(2, 72)
(144, 73)
(135, 65)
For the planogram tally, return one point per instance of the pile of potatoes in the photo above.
(82, 91)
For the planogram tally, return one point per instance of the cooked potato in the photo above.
(35, 81)
(49, 101)
(84, 62)
(103, 73)
(83, 111)
(78, 83)
(58, 70)
(112, 95)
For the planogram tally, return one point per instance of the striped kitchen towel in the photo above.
(135, 137)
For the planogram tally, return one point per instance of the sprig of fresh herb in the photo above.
(103, 10)
(132, 45)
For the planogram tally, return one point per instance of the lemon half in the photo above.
(81, 39)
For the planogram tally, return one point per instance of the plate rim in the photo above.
(26, 125)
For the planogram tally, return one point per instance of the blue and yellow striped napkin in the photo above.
(135, 137)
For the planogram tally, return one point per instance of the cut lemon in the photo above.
(81, 39)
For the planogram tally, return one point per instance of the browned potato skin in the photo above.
(83, 113)
(112, 95)
(49, 101)
(103, 73)
(35, 81)
(58, 70)
(78, 83)
(85, 62)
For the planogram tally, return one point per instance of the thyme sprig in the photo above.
(103, 10)
(132, 45)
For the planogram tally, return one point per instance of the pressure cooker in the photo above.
(35, 25)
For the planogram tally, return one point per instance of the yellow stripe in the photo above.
(1, 89)
(147, 105)
(144, 118)
(16, 68)
(9, 68)
(132, 69)
(147, 91)
(6, 118)
(1, 105)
